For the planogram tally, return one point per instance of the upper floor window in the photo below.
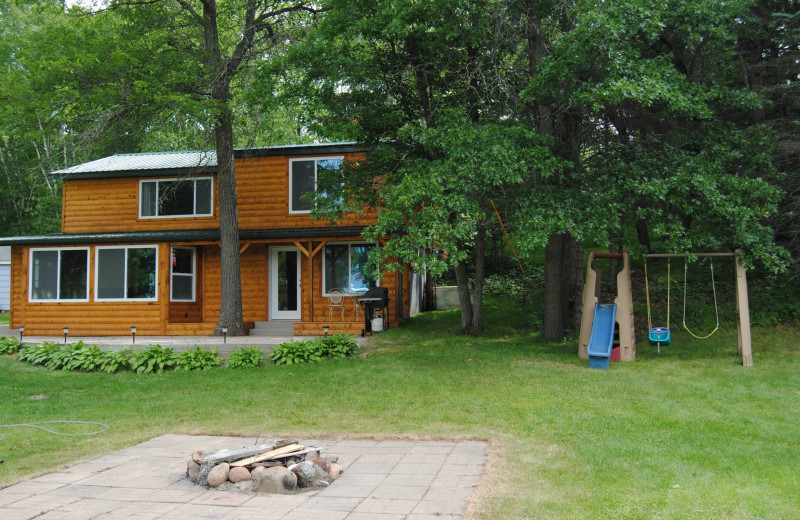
(126, 273)
(59, 274)
(176, 198)
(303, 175)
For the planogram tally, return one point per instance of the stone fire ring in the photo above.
(411, 479)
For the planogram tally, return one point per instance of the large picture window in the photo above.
(176, 198)
(345, 268)
(59, 274)
(182, 268)
(303, 175)
(126, 273)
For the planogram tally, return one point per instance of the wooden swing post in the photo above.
(745, 344)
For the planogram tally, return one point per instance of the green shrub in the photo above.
(116, 361)
(295, 352)
(517, 285)
(336, 346)
(86, 358)
(38, 354)
(154, 358)
(198, 359)
(245, 357)
(9, 345)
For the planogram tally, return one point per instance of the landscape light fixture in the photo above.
(225, 334)
(21, 330)
(66, 333)
(325, 329)
(133, 333)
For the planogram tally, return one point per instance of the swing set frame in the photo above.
(745, 344)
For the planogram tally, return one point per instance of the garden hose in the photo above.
(103, 427)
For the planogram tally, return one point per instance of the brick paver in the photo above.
(382, 480)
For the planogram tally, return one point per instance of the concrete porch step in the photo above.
(273, 328)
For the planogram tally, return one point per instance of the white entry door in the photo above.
(284, 283)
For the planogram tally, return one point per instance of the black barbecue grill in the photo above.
(374, 301)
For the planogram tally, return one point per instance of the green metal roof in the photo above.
(187, 162)
(191, 235)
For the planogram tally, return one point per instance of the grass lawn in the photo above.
(687, 434)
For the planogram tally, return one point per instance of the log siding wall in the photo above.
(262, 184)
(164, 317)
(112, 205)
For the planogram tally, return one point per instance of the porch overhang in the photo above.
(192, 235)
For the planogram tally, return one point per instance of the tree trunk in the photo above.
(480, 271)
(577, 288)
(464, 302)
(230, 309)
(643, 235)
(558, 285)
(429, 293)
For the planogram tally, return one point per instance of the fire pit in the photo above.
(277, 466)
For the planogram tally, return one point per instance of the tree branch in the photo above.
(189, 9)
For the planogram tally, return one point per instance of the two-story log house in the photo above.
(139, 245)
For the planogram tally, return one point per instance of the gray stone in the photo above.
(276, 480)
(322, 463)
(256, 473)
(238, 474)
(305, 474)
(202, 476)
(311, 455)
(192, 470)
(334, 470)
(218, 475)
(245, 486)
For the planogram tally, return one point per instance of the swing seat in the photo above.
(659, 336)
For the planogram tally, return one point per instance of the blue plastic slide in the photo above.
(602, 339)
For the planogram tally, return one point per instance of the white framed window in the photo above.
(303, 175)
(344, 267)
(126, 273)
(164, 198)
(182, 269)
(59, 274)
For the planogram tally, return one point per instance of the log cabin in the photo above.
(139, 245)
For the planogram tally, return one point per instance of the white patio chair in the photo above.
(335, 301)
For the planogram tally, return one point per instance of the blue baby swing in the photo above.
(657, 335)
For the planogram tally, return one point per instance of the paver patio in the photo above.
(382, 480)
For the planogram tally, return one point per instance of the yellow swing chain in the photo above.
(716, 308)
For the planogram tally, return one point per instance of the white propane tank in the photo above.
(377, 323)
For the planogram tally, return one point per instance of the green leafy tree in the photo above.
(584, 119)
(422, 83)
(216, 41)
(638, 97)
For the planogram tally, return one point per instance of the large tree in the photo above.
(422, 83)
(638, 97)
(584, 118)
(215, 41)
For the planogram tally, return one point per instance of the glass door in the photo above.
(284, 283)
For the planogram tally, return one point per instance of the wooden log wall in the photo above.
(253, 263)
(103, 205)
(87, 318)
(112, 204)
(163, 317)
